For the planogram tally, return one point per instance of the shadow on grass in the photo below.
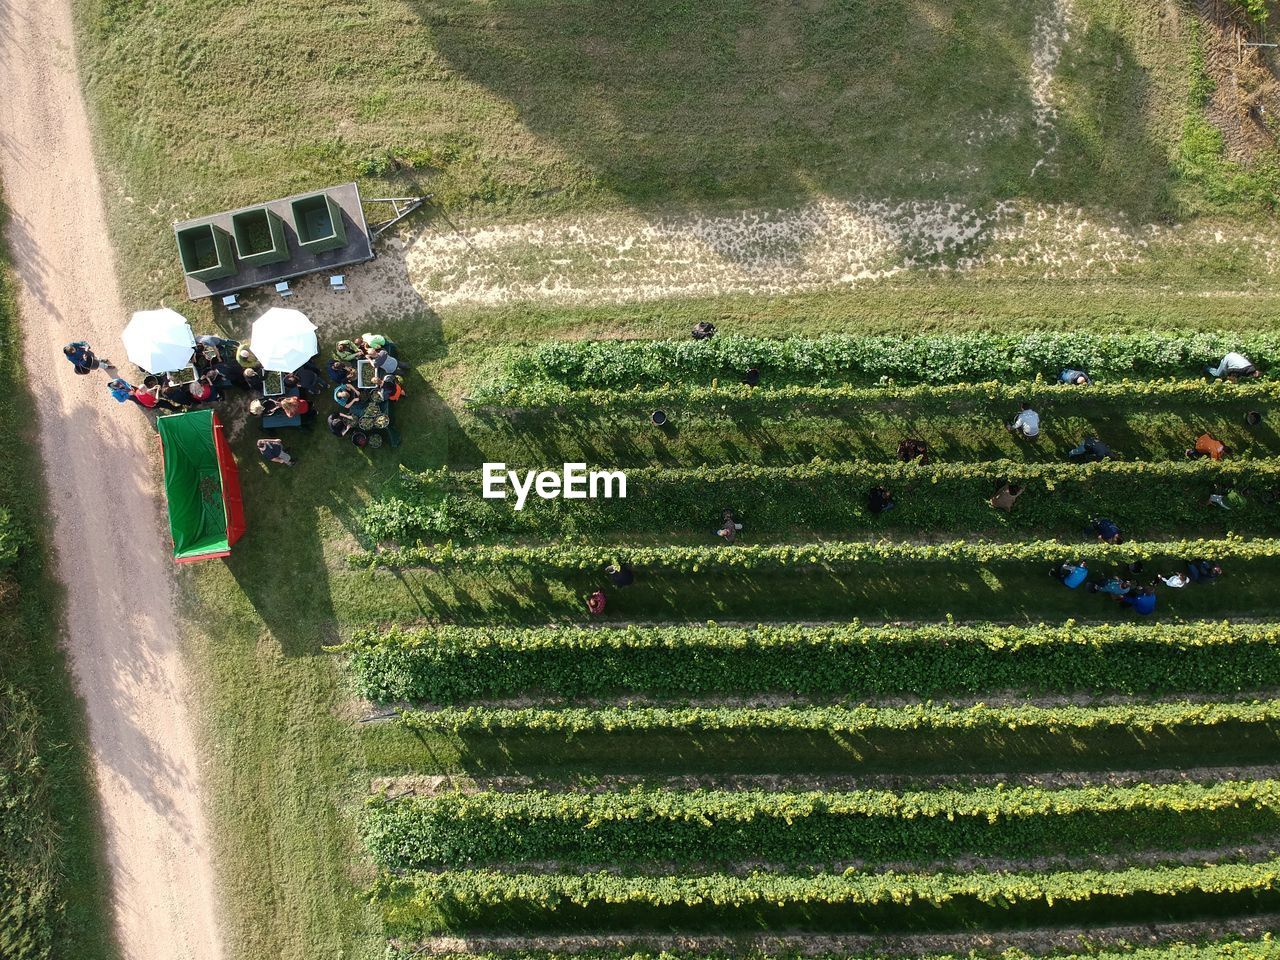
(962, 912)
(393, 748)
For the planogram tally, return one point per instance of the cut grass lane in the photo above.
(542, 439)
(391, 748)
(1017, 593)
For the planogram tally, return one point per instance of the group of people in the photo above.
(215, 367)
(1124, 587)
(383, 387)
(219, 364)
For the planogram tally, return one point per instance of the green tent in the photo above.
(206, 514)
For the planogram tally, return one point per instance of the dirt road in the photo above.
(112, 549)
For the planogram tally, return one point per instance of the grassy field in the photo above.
(524, 109)
(53, 883)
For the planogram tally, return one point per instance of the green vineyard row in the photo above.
(447, 664)
(813, 827)
(833, 496)
(835, 720)
(932, 359)
(849, 398)
(419, 902)
(832, 555)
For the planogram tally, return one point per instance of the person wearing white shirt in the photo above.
(1233, 366)
(1026, 423)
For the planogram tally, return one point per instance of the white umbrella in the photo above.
(159, 340)
(283, 339)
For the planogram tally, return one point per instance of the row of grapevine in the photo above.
(813, 827)
(929, 359)
(420, 903)
(993, 396)
(448, 664)
(831, 555)
(1145, 716)
(833, 496)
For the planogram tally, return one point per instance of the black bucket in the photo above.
(659, 418)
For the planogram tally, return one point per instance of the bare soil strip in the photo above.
(111, 546)
(823, 243)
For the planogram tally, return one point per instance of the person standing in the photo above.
(1026, 424)
(81, 356)
(272, 450)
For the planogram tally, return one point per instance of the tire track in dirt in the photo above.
(111, 548)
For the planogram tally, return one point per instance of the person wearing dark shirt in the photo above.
(307, 378)
(340, 372)
(1091, 448)
(913, 449)
(621, 575)
(880, 500)
(272, 450)
(1108, 531)
(82, 358)
(340, 424)
(1203, 571)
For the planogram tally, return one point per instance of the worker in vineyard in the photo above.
(1075, 378)
(913, 449)
(1207, 445)
(1233, 367)
(1175, 580)
(1108, 531)
(1113, 586)
(1026, 424)
(596, 603)
(1071, 574)
(1091, 449)
(1203, 571)
(620, 574)
(880, 500)
(729, 527)
(1141, 600)
(1006, 496)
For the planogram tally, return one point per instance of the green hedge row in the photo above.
(422, 902)
(781, 558)
(967, 357)
(448, 664)
(773, 501)
(930, 717)
(992, 395)
(809, 828)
